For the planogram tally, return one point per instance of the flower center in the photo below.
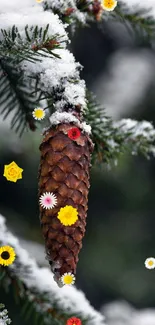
(5, 255)
(150, 263)
(68, 279)
(39, 113)
(68, 215)
(48, 200)
(12, 171)
(109, 3)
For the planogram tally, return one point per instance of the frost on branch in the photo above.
(4, 319)
(31, 16)
(40, 280)
(65, 117)
(127, 135)
(59, 74)
(122, 313)
(58, 77)
(113, 138)
(140, 135)
(81, 11)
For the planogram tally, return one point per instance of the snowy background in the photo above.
(121, 223)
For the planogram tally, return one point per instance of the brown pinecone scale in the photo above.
(64, 171)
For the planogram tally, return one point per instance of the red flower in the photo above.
(74, 133)
(73, 321)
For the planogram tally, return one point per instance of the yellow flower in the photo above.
(109, 5)
(68, 278)
(38, 113)
(12, 172)
(7, 255)
(39, 1)
(68, 215)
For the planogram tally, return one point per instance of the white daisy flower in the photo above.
(38, 113)
(150, 263)
(48, 200)
(68, 278)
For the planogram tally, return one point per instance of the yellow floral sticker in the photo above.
(12, 172)
(109, 5)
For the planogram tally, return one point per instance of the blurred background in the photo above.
(120, 69)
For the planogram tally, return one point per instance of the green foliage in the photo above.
(34, 306)
(68, 16)
(112, 140)
(19, 95)
(16, 96)
(35, 45)
(138, 22)
(95, 116)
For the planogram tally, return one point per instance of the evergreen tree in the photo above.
(40, 79)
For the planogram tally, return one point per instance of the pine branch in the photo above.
(75, 12)
(112, 139)
(16, 96)
(35, 289)
(34, 44)
(17, 93)
(54, 79)
(58, 81)
(137, 20)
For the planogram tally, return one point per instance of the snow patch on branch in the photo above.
(53, 71)
(4, 319)
(136, 129)
(58, 76)
(67, 298)
(59, 72)
(65, 117)
(139, 136)
(32, 16)
(62, 6)
(122, 313)
(75, 93)
(127, 135)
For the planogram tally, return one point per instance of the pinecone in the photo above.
(64, 171)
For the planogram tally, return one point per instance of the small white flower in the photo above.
(150, 263)
(48, 200)
(38, 113)
(68, 278)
